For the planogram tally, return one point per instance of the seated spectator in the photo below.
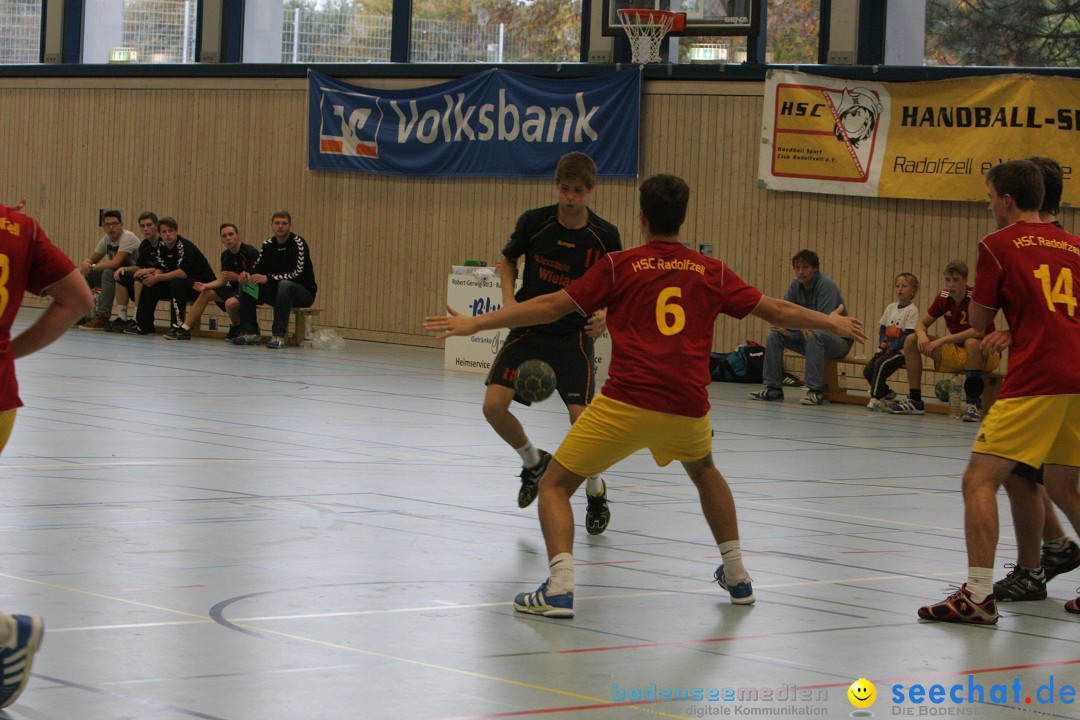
(180, 264)
(238, 258)
(116, 249)
(897, 322)
(959, 351)
(126, 287)
(283, 276)
(814, 290)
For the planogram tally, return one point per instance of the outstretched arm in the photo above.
(71, 300)
(537, 311)
(782, 313)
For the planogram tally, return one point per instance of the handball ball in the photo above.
(534, 381)
(942, 388)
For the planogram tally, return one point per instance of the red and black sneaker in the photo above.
(960, 608)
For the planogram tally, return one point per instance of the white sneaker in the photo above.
(876, 405)
(970, 414)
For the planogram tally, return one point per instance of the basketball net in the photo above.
(646, 30)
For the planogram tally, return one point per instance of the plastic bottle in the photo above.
(956, 387)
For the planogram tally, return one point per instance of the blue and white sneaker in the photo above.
(971, 413)
(17, 656)
(276, 343)
(742, 593)
(246, 339)
(541, 603)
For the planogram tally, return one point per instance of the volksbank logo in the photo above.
(454, 121)
(359, 130)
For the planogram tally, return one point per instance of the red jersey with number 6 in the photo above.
(1031, 271)
(662, 300)
(28, 261)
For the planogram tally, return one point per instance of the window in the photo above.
(307, 31)
(140, 31)
(20, 42)
(1020, 33)
(496, 31)
(791, 37)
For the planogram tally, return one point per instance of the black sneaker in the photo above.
(234, 331)
(597, 514)
(129, 323)
(178, 333)
(116, 326)
(1020, 584)
(134, 329)
(790, 380)
(530, 480)
(1057, 562)
(767, 393)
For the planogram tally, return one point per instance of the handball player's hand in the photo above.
(450, 325)
(926, 346)
(19, 205)
(198, 287)
(999, 340)
(597, 324)
(847, 326)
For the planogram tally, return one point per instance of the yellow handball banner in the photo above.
(922, 140)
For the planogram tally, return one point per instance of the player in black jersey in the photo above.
(558, 243)
(238, 257)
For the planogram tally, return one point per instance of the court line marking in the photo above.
(443, 605)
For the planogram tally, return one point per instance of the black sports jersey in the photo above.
(243, 260)
(555, 256)
(184, 255)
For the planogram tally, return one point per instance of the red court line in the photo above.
(607, 562)
(573, 708)
(803, 132)
(868, 552)
(661, 644)
(952, 673)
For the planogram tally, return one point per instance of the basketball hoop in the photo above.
(646, 29)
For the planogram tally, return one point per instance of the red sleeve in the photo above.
(988, 277)
(48, 264)
(740, 299)
(937, 308)
(591, 291)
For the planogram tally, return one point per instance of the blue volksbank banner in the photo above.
(494, 123)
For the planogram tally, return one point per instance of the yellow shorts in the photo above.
(7, 421)
(1033, 430)
(609, 431)
(954, 359)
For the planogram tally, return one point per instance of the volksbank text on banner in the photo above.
(923, 140)
(493, 123)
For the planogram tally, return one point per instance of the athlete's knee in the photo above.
(495, 409)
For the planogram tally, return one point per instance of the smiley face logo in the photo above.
(862, 693)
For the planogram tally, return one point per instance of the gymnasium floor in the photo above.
(238, 533)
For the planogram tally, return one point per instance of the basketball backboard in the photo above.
(703, 17)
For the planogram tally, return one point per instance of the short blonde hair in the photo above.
(956, 267)
(910, 278)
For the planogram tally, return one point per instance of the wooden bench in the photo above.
(835, 391)
(300, 317)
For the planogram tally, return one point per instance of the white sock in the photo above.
(184, 326)
(561, 579)
(733, 566)
(123, 312)
(980, 583)
(530, 456)
(594, 484)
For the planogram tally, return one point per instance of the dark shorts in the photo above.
(570, 355)
(1029, 473)
(224, 293)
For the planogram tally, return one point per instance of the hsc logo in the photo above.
(351, 128)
